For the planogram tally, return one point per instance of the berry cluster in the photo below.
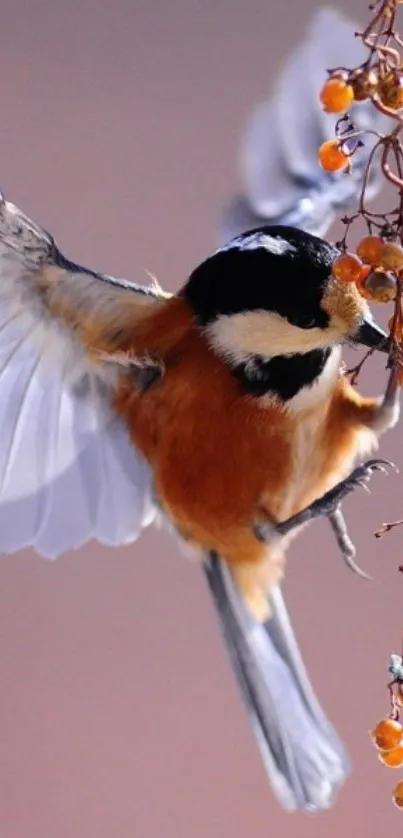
(388, 733)
(374, 268)
(344, 88)
(377, 266)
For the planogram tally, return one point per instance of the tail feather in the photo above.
(303, 756)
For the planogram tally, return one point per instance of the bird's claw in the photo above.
(359, 477)
(346, 546)
(329, 505)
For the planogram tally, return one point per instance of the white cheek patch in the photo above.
(238, 336)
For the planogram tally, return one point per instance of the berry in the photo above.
(398, 794)
(364, 84)
(336, 95)
(387, 734)
(332, 158)
(391, 256)
(381, 286)
(391, 91)
(361, 284)
(348, 268)
(394, 758)
(369, 250)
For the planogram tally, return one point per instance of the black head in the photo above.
(278, 269)
(269, 294)
(280, 276)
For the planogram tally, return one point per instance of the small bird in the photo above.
(223, 408)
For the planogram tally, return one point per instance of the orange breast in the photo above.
(221, 459)
(217, 454)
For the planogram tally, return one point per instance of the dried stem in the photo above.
(380, 80)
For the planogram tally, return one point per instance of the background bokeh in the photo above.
(119, 714)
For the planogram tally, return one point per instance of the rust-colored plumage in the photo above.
(222, 459)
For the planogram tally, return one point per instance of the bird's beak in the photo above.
(371, 335)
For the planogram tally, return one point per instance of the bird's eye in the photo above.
(303, 321)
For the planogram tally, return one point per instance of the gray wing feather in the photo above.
(283, 182)
(68, 471)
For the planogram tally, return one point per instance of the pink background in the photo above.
(118, 711)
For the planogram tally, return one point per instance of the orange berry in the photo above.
(369, 249)
(391, 91)
(348, 268)
(364, 84)
(361, 283)
(336, 95)
(387, 734)
(391, 256)
(393, 759)
(332, 157)
(381, 286)
(398, 794)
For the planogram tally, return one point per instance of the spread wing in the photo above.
(68, 472)
(282, 180)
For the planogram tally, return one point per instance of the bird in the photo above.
(222, 409)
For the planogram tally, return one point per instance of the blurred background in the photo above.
(119, 714)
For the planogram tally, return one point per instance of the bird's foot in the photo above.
(329, 506)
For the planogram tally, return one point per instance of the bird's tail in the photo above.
(304, 758)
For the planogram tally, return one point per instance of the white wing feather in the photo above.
(68, 472)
